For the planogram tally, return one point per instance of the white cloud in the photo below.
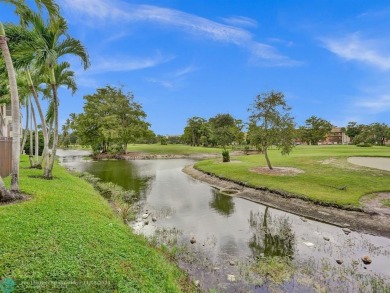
(124, 63)
(375, 104)
(163, 83)
(240, 21)
(354, 47)
(120, 12)
(185, 70)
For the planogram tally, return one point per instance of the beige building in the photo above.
(5, 120)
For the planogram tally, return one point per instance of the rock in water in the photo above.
(339, 261)
(197, 283)
(154, 219)
(346, 231)
(231, 278)
(366, 260)
(326, 238)
(231, 262)
(146, 222)
(145, 216)
(193, 240)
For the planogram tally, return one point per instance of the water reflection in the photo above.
(222, 203)
(271, 236)
(125, 174)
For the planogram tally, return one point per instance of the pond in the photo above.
(241, 246)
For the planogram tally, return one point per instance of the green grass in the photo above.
(67, 237)
(320, 181)
(172, 149)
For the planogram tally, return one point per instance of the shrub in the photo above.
(225, 156)
(364, 145)
(246, 149)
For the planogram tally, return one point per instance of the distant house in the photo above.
(5, 120)
(337, 136)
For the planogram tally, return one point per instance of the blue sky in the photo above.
(185, 58)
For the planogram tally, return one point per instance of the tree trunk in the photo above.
(45, 153)
(49, 171)
(31, 144)
(5, 195)
(15, 111)
(266, 157)
(26, 132)
(36, 136)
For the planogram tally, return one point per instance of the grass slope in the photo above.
(326, 168)
(67, 238)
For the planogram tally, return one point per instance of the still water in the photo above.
(233, 234)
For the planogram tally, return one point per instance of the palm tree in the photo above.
(46, 44)
(4, 194)
(15, 110)
(53, 48)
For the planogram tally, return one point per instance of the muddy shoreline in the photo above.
(360, 221)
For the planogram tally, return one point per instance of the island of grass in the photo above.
(65, 237)
(323, 175)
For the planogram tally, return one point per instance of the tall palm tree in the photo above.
(53, 47)
(4, 194)
(41, 46)
(15, 111)
(47, 42)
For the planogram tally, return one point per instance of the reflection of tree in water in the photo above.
(222, 203)
(271, 236)
(123, 173)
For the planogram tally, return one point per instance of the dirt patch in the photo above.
(362, 221)
(373, 203)
(277, 171)
(20, 198)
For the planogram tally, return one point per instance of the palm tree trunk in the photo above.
(31, 143)
(49, 171)
(36, 135)
(5, 195)
(45, 153)
(26, 132)
(15, 111)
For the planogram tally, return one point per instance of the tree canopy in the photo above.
(271, 123)
(111, 118)
(315, 130)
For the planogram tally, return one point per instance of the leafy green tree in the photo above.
(315, 130)
(222, 129)
(272, 123)
(374, 134)
(353, 129)
(194, 130)
(110, 117)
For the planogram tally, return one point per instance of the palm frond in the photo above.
(74, 47)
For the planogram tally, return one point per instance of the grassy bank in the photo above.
(67, 238)
(326, 173)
